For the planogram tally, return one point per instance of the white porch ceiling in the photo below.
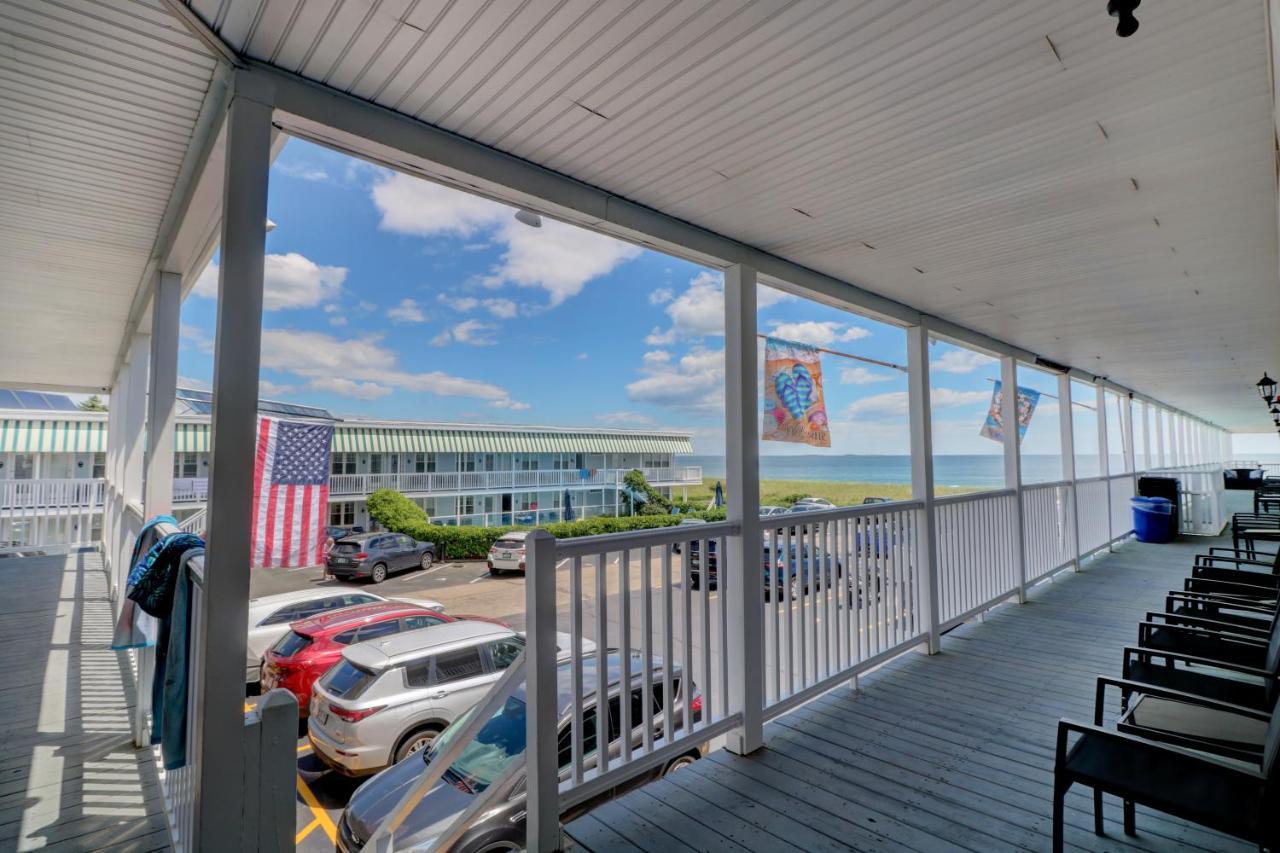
(1001, 165)
(97, 106)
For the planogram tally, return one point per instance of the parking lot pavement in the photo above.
(322, 795)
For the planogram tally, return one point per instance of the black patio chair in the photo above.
(1192, 635)
(1234, 610)
(1238, 797)
(1246, 686)
(1188, 719)
(1252, 528)
(1233, 589)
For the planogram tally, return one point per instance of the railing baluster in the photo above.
(602, 645)
(646, 645)
(626, 724)
(668, 655)
(687, 637)
(575, 632)
(704, 633)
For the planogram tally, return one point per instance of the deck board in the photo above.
(70, 779)
(951, 751)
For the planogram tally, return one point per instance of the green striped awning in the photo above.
(375, 439)
(19, 435)
(191, 438)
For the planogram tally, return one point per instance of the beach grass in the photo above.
(778, 492)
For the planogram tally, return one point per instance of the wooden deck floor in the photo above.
(70, 778)
(949, 752)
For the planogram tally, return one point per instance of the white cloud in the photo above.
(557, 257)
(471, 332)
(582, 356)
(268, 389)
(658, 338)
(862, 376)
(319, 357)
(194, 384)
(366, 306)
(695, 383)
(408, 311)
(625, 419)
(303, 171)
(510, 405)
(458, 303)
(194, 337)
(288, 281)
(338, 320)
(961, 361)
(350, 388)
(816, 333)
(699, 310)
(661, 296)
(503, 309)
(896, 403)
(656, 357)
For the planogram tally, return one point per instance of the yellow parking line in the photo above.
(306, 830)
(306, 747)
(321, 815)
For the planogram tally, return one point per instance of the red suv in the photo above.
(313, 645)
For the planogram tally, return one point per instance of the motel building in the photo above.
(53, 463)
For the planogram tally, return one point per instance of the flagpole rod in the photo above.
(862, 358)
(1054, 397)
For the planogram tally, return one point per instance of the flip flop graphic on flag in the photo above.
(794, 408)
(290, 493)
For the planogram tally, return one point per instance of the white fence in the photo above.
(977, 553)
(1202, 508)
(1049, 528)
(1093, 514)
(37, 513)
(1121, 490)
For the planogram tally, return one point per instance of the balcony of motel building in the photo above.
(1034, 181)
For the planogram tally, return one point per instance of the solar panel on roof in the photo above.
(31, 400)
(8, 400)
(61, 403)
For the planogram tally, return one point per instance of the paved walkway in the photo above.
(70, 778)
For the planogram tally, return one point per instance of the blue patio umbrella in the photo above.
(719, 494)
(568, 506)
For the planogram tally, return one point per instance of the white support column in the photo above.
(237, 351)
(1146, 438)
(1104, 452)
(1013, 462)
(1126, 435)
(922, 476)
(542, 714)
(166, 308)
(745, 600)
(135, 419)
(1161, 456)
(1066, 431)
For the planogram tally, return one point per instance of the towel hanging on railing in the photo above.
(149, 588)
(172, 673)
(134, 629)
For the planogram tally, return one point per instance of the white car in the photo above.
(271, 615)
(507, 554)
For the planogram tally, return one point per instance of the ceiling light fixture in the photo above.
(1267, 388)
(528, 217)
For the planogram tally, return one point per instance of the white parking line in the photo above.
(478, 578)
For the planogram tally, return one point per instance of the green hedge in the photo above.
(397, 513)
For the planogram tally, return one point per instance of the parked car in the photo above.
(270, 616)
(387, 699)
(815, 503)
(768, 510)
(874, 500)
(500, 741)
(686, 522)
(376, 555)
(696, 568)
(507, 554)
(314, 645)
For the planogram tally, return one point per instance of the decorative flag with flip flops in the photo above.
(794, 409)
(993, 426)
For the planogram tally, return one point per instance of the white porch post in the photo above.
(922, 475)
(1146, 437)
(1104, 452)
(1160, 451)
(1013, 462)
(742, 499)
(166, 307)
(132, 405)
(542, 789)
(1126, 436)
(110, 504)
(1066, 431)
(237, 349)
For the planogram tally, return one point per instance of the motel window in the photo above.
(99, 465)
(24, 466)
(422, 463)
(342, 514)
(343, 463)
(185, 465)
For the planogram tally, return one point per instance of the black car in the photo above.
(498, 743)
(376, 555)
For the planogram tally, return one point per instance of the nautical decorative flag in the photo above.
(794, 409)
(993, 427)
(290, 493)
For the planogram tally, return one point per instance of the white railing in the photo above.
(1202, 495)
(190, 489)
(1269, 469)
(1093, 514)
(1121, 490)
(478, 481)
(1049, 528)
(977, 551)
(842, 591)
(195, 522)
(40, 513)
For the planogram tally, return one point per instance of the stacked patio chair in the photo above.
(1266, 498)
(1198, 731)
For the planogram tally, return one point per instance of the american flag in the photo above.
(290, 493)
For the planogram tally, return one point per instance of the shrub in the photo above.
(397, 513)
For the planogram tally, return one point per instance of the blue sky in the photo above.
(392, 297)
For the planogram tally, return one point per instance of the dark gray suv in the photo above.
(376, 555)
(497, 744)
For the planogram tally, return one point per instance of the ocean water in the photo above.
(985, 470)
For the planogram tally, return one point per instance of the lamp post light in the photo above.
(1267, 388)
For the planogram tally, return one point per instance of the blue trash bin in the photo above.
(1152, 519)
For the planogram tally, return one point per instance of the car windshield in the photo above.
(509, 544)
(346, 680)
(346, 548)
(495, 746)
(291, 643)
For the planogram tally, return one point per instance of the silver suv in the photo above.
(388, 698)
